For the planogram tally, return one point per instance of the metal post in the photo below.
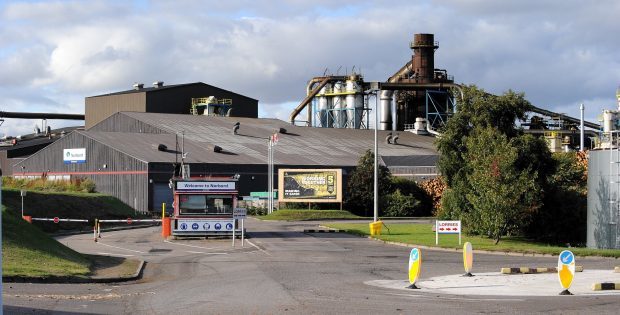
(436, 233)
(270, 178)
(233, 238)
(581, 148)
(376, 181)
(242, 232)
(22, 194)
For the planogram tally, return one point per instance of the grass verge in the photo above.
(422, 234)
(28, 252)
(301, 215)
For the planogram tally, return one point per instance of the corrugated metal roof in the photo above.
(299, 146)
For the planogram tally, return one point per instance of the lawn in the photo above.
(422, 234)
(28, 252)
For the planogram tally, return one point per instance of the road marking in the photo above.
(131, 250)
(194, 246)
(111, 254)
(260, 249)
(193, 252)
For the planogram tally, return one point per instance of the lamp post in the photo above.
(374, 86)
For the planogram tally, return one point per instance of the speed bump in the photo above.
(527, 270)
(605, 286)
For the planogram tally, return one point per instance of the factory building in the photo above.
(160, 98)
(133, 155)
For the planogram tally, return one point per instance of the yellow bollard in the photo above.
(375, 227)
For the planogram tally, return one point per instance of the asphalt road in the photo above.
(284, 270)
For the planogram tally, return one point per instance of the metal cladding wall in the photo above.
(602, 214)
(173, 99)
(98, 108)
(113, 172)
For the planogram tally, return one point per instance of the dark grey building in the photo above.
(132, 155)
(173, 99)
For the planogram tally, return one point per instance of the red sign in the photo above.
(56, 220)
(128, 220)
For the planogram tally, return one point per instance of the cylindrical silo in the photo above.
(339, 112)
(355, 101)
(609, 118)
(324, 106)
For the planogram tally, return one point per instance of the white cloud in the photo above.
(55, 53)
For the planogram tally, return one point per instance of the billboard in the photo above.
(310, 185)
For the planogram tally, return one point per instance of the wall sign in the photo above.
(73, 156)
(205, 186)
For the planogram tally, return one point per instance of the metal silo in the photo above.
(355, 101)
(325, 106)
(340, 114)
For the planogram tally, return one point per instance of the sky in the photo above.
(53, 54)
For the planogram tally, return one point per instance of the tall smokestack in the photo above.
(424, 47)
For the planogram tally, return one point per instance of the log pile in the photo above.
(582, 160)
(434, 188)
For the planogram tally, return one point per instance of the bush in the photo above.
(407, 187)
(43, 184)
(398, 204)
(257, 211)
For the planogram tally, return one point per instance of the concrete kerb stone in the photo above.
(617, 269)
(605, 286)
(68, 279)
(532, 270)
(134, 276)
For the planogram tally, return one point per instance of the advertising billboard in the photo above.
(310, 185)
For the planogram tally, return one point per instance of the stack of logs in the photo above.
(582, 160)
(434, 188)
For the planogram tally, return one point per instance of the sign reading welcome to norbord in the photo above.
(206, 186)
(310, 185)
(72, 156)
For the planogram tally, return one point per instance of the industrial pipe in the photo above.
(311, 92)
(41, 115)
(386, 95)
(581, 141)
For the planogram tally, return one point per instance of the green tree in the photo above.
(360, 185)
(490, 207)
(501, 195)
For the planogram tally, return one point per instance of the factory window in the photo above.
(205, 204)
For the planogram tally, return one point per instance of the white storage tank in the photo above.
(325, 105)
(339, 102)
(355, 101)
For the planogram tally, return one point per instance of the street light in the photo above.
(374, 87)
